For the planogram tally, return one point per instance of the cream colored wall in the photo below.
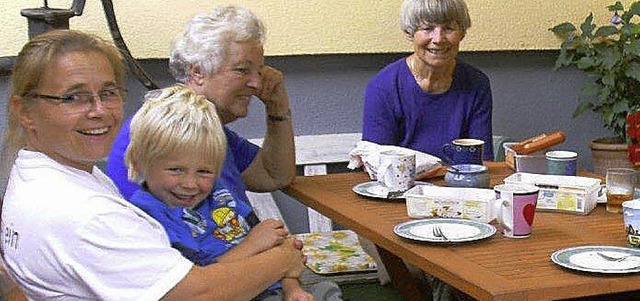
(315, 26)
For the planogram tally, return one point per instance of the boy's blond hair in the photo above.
(174, 120)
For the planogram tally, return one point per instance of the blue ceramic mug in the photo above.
(463, 151)
(563, 163)
(467, 175)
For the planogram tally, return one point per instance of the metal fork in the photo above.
(614, 258)
(437, 232)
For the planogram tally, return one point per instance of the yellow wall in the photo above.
(315, 26)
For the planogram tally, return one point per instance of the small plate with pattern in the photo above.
(455, 230)
(375, 189)
(593, 259)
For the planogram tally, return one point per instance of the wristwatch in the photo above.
(278, 118)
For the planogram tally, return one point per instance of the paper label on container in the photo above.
(556, 200)
(474, 209)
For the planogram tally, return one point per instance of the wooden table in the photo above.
(496, 268)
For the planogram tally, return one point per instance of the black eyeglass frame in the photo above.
(70, 98)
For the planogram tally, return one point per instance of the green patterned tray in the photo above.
(335, 252)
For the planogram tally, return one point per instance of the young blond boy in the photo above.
(176, 153)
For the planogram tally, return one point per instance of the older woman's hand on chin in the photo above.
(272, 92)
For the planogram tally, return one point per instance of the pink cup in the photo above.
(515, 208)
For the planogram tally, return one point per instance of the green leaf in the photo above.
(565, 58)
(562, 30)
(635, 8)
(616, 7)
(607, 117)
(587, 27)
(609, 79)
(609, 56)
(606, 31)
(582, 107)
(604, 94)
(632, 48)
(589, 89)
(626, 31)
(633, 71)
(620, 107)
(586, 62)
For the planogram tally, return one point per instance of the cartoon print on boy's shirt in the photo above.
(195, 221)
(229, 225)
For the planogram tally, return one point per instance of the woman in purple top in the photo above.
(429, 98)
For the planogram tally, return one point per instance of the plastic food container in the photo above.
(452, 202)
(578, 195)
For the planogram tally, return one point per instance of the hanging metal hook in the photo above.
(44, 19)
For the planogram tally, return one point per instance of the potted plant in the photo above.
(610, 54)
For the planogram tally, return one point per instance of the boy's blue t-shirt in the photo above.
(207, 231)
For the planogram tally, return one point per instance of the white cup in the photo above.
(397, 170)
(516, 205)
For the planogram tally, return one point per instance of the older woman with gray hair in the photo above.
(429, 98)
(220, 55)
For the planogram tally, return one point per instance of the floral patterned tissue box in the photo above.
(335, 252)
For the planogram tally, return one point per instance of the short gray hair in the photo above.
(415, 12)
(205, 41)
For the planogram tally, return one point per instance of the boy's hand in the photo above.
(266, 235)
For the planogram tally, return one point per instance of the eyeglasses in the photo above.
(79, 102)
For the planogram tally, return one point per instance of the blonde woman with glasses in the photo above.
(67, 233)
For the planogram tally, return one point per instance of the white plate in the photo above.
(586, 259)
(374, 189)
(456, 230)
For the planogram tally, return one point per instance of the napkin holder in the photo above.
(425, 201)
(569, 194)
(535, 162)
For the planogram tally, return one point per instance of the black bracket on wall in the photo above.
(44, 19)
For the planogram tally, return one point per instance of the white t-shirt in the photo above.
(68, 235)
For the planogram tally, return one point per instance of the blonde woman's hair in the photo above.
(174, 120)
(35, 57)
